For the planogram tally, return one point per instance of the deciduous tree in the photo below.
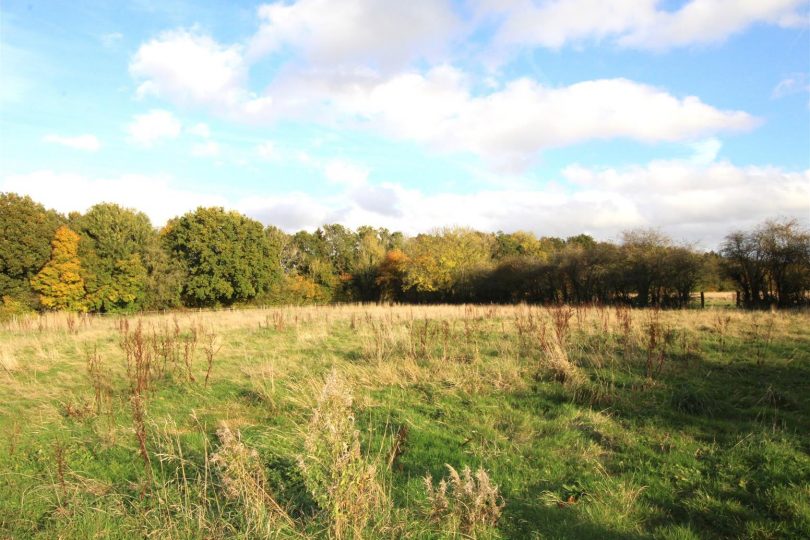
(26, 232)
(59, 283)
(226, 256)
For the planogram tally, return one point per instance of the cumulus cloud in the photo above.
(345, 173)
(710, 21)
(190, 68)
(66, 192)
(688, 199)
(510, 126)
(157, 124)
(643, 24)
(325, 32)
(88, 143)
(290, 212)
(699, 202)
(444, 107)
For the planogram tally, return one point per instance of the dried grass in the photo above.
(464, 502)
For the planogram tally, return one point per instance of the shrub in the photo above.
(335, 472)
(243, 480)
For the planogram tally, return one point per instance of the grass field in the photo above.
(325, 421)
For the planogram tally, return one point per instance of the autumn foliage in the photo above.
(213, 257)
(59, 283)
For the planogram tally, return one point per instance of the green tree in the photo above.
(644, 252)
(115, 245)
(517, 244)
(60, 282)
(771, 264)
(26, 231)
(226, 257)
(164, 277)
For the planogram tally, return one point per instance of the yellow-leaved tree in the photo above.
(59, 283)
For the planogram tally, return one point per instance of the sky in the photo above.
(558, 117)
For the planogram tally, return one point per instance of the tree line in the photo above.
(112, 259)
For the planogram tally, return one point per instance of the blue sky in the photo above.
(558, 117)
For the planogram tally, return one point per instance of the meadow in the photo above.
(368, 421)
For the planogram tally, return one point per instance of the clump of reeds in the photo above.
(244, 481)
(138, 356)
(59, 449)
(72, 323)
(472, 331)
(721, 324)
(398, 446)
(99, 380)
(378, 345)
(624, 320)
(659, 338)
(420, 339)
(528, 328)
(554, 345)
(761, 336)
(8, 362)
(211, 346)
(165, 342)
(189, 346)
(339, 478)
(464, 502)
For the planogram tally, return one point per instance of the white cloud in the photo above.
(291, 212)
(200, 130)
(556, 23)
(699, 202)
(89, 143)
(644, 24)
(796, 83)
(190, 68)
(206, 149)
(510, 126)
(711, 21)
(157, 124)
(345, 173)
(382, 34)
(66, 192)
(690, 201)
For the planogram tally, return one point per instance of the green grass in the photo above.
(714, 445)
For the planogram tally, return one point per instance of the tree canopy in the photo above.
(26, 232)
(116, 261)
(226, 257)
(59, 283)
(114, 249)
